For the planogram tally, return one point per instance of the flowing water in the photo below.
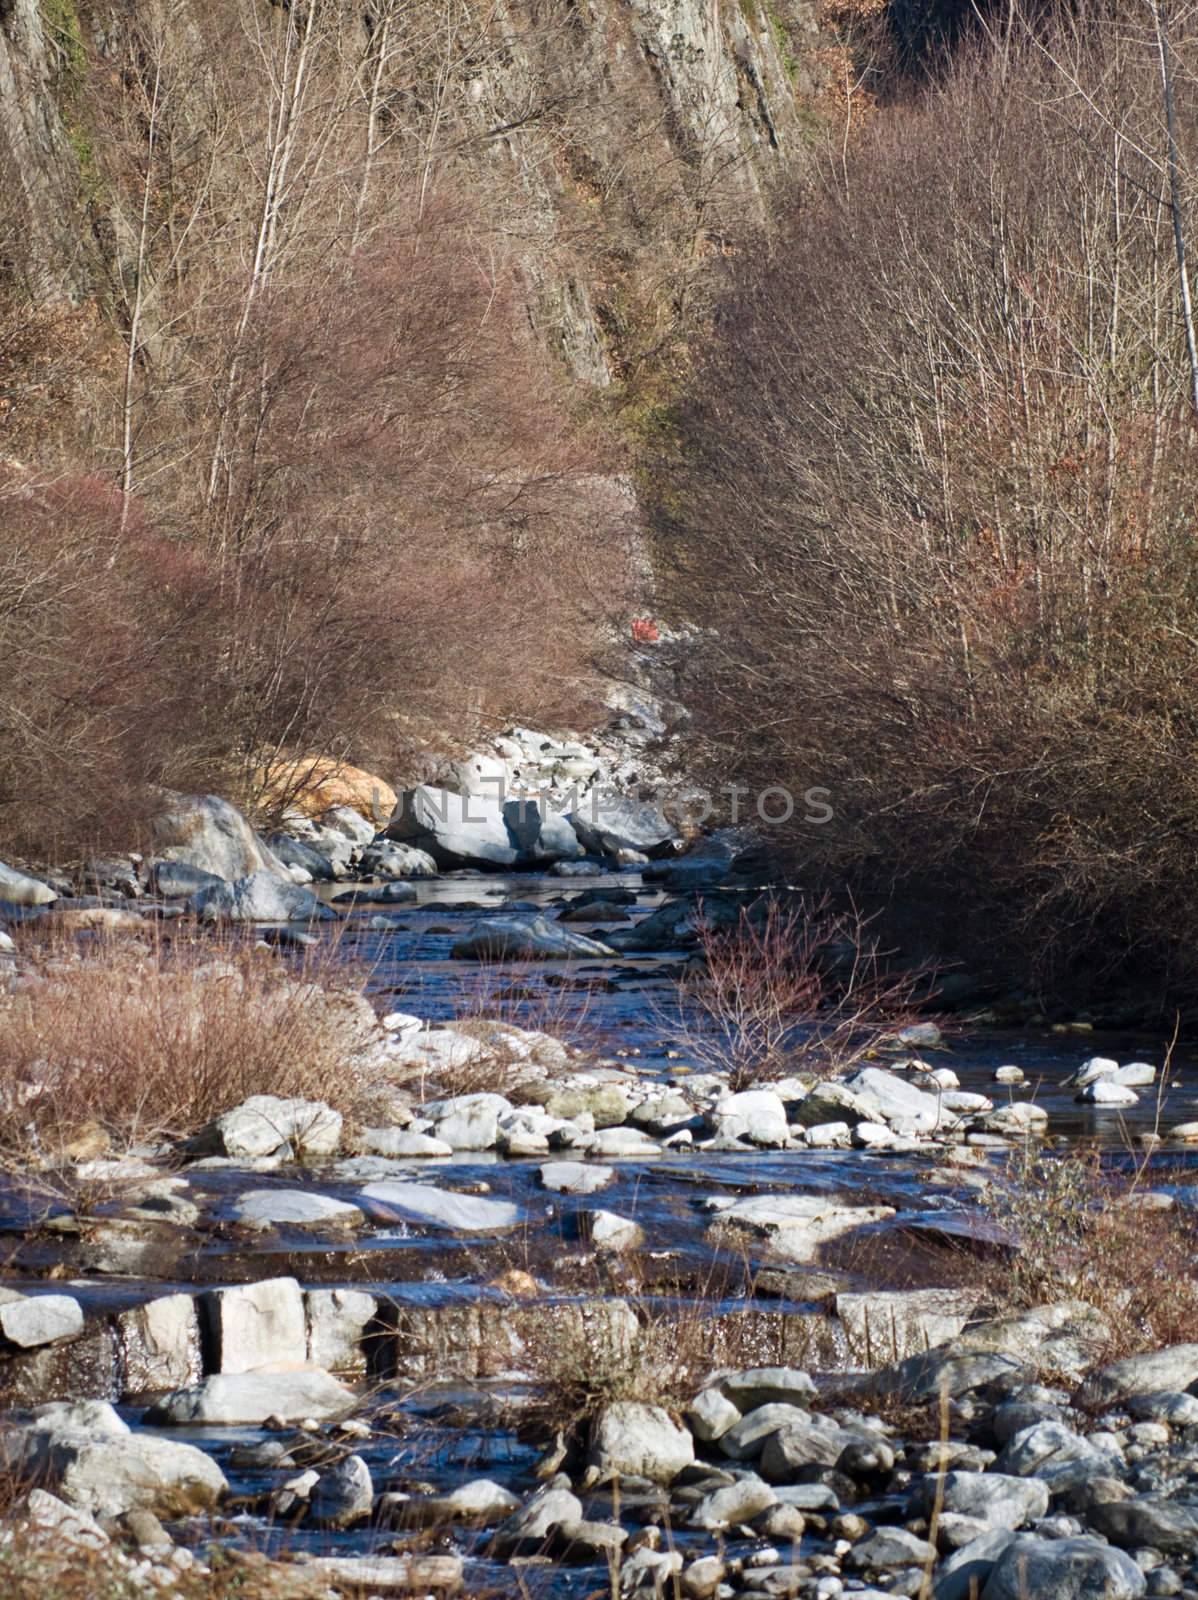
(442, 1416)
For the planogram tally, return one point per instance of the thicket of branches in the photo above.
(301, 475)
(936, 500)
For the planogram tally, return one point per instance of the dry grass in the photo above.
(792, 988)
(154, 1038)
(586, 1356)
(1086, 1232)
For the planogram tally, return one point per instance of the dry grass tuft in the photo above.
(1087, 1232)
(153, 1039)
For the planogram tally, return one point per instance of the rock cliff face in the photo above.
(634, 134)
(39, 173)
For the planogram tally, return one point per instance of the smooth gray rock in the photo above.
(525, 938)
(1054, 1453)
(803, 1442)
(888, 1548)
(261, 897)
(746, 1438)
(343, 1494)
(1063, 1569)
(963, 1575)
(468, 1121)
(464, 1213)
(19, 889)
(631, 1439)
(1147, 1522)
(897, 1101)
(608, 824)
(294, 1208)
(456, 830)
(1178, 1410)
(28, 1321)
(338, 1320)
(710, 1415)
(765, 1386)
(575, 1177)
(176, 880)
(265, 1123)
(734, 1504)
(757, 1116)
(204, 831)
(1175, 1367)
(992, 1497)
(794, 1227)
(385, 858)
(254, 1325)
(94, 1462)
(540, 1515)
(244, 1398)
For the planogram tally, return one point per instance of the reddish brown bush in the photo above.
(936, 502)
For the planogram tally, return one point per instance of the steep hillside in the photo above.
(323, 338)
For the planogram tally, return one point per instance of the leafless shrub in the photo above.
(793, 987)
(935, 499)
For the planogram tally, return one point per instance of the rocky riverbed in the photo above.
(555, 1311)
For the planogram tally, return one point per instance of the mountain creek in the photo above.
(212, 1288)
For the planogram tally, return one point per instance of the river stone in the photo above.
(889, 1325)
(1137, 1075)
(1009, 1074)
(614, 1233)
(887, 1548)
(480, 1502)
(992, 1497)
(1019, 1118)
(1178, 1410)
(631, 1439)
(1146, 1522)
(1096, 1067)
(468, 1121)
(541, 837)
(456, 830)
(794, 1227)
(256, 1324)
(605, 1103)
(1052, 1452)
(755, 1115)
(834, 1135)
(160, 1343)
(540, 1515)
(400, 1144)
(832, 1102)
(464, 1213)
(262, 897)
(1107, 1092)
(94, 1462)
(31, 1320)
(302, 853)
(338, 1320)
(962, 1576)
(806, 1440)
(247, 1398)
(525, 938)
(207, 832)
(618, 1143)
(19, 889)
(294, 1208)
(733, 1504)
(384, 1575)
(606, 825)
(897, 1101)
(1175, 1367)
(46, 1520)
(746, 1438)
(575, 1177)
(710, 1415)
(265, 1123)
(385, 858)
(764, 1386)
(1065, 1569)
(343, 1494)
